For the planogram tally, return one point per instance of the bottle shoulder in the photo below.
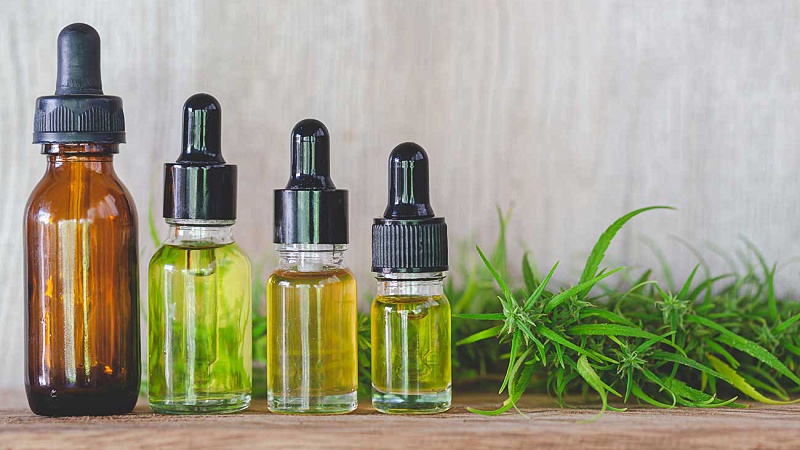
(236, 252)
(226, 259)
(330, 276)
(229, 251)
(403, 301)
(88, 196)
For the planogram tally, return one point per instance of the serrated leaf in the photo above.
(720, 350)
(499, 256)
(573, 291)
(746, 346)
(707, 284)
(519, 389)
(483, 316)
(786, 324)
(769, 276)
(606, 315)
(528, 274)
(610, 329)
(538, 291)
(689, 396)
(498, 279)
(598, 252)
(511, 360)
(688, 285)
(641, 395)
(676, 358)
(481, 335)
(742, 385)
(587, 372)
(553, 336)
(652, 341)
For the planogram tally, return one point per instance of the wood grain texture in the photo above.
(543, 426)
(570, 112)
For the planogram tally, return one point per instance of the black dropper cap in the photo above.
(409, 238)
(310, 210)
(200, 186)
(79, 112)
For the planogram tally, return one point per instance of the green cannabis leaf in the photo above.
(638, 340)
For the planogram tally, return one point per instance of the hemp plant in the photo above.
(638, 340)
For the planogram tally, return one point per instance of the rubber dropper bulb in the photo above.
(311, 157)
(202, 131)
(409, 189)
(79, 61)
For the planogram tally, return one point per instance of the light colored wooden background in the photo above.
(570, 112)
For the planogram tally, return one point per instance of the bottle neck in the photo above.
(86, 149)
(411, 284)
(98, 157)
(311, 257)
(195, 235)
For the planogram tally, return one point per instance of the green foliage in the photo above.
(638, 340)
(720, 336)
(364, 356)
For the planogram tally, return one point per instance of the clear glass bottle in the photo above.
(312, 350)
(311, 331)
(200, 336)
(81, 256)
(410, 316)
(411, 370)
(200, 324)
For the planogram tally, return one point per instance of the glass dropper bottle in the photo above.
(311, 297)
(81, 256)
(411, 371)
(200, 338)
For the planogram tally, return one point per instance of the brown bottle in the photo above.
(81, 257)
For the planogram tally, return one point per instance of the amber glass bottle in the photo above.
(81, 257)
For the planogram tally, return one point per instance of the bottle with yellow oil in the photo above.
(311, 297)
(411, 371)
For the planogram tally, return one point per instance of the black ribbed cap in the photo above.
(200, 186)
(310, 210)
(79, 112)
(409, 238)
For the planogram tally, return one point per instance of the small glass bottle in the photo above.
(200, 336)
(311, 297)
(411, 368)
(81, 257)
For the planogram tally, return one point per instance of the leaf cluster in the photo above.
(700, 345)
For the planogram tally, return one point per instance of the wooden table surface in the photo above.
(543, 426)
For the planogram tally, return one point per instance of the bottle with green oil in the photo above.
(410, 315)
(200, 338)
(312, 356)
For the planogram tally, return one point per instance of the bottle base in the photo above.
(205, 405)
(430, 403)
(329, 404)
(81, 402)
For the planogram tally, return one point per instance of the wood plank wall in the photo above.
(569, 112)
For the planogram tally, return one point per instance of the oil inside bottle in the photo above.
(82, 291)
(411, 353)
(200, 329)
(311, 334)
